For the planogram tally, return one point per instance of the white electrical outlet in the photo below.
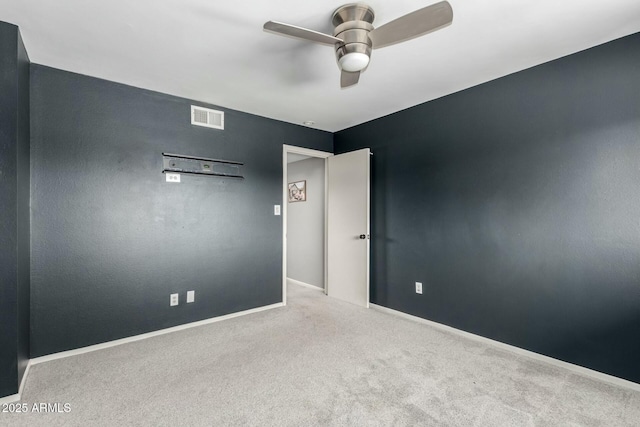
(191, 296)
(174, 299)
(276, 209)
(173, 177)
(418, 287)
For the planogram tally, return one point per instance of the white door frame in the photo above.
(285, 196)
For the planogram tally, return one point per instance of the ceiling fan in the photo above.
(354, 35)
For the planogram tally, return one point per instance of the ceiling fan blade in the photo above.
(412, 25)
(349, 79)
(300, 33)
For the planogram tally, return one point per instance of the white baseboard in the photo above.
(517, 350)
(306, 285)
(16, 397)
(9, 399)
(127, 340)
(24, 378)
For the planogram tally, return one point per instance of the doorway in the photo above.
(304, 218)
(342, 233)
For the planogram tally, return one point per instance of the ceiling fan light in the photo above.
(353, 62)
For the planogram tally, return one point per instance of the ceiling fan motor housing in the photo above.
(352, 24)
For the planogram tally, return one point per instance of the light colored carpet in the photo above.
(317, 361)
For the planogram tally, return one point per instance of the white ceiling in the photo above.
(216, 51)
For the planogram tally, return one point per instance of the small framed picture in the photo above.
(298, 191)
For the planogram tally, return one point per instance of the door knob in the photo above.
(363, 236)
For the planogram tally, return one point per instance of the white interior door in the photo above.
(348, 227)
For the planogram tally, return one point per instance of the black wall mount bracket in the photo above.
(179, 163)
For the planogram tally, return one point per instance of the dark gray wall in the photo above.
(8, 210)
(14, 209)
(517, 204)
(112, 239)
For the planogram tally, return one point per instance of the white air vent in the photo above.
(207, 118)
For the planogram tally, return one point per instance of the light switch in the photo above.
(276, 209)
(191, 296)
